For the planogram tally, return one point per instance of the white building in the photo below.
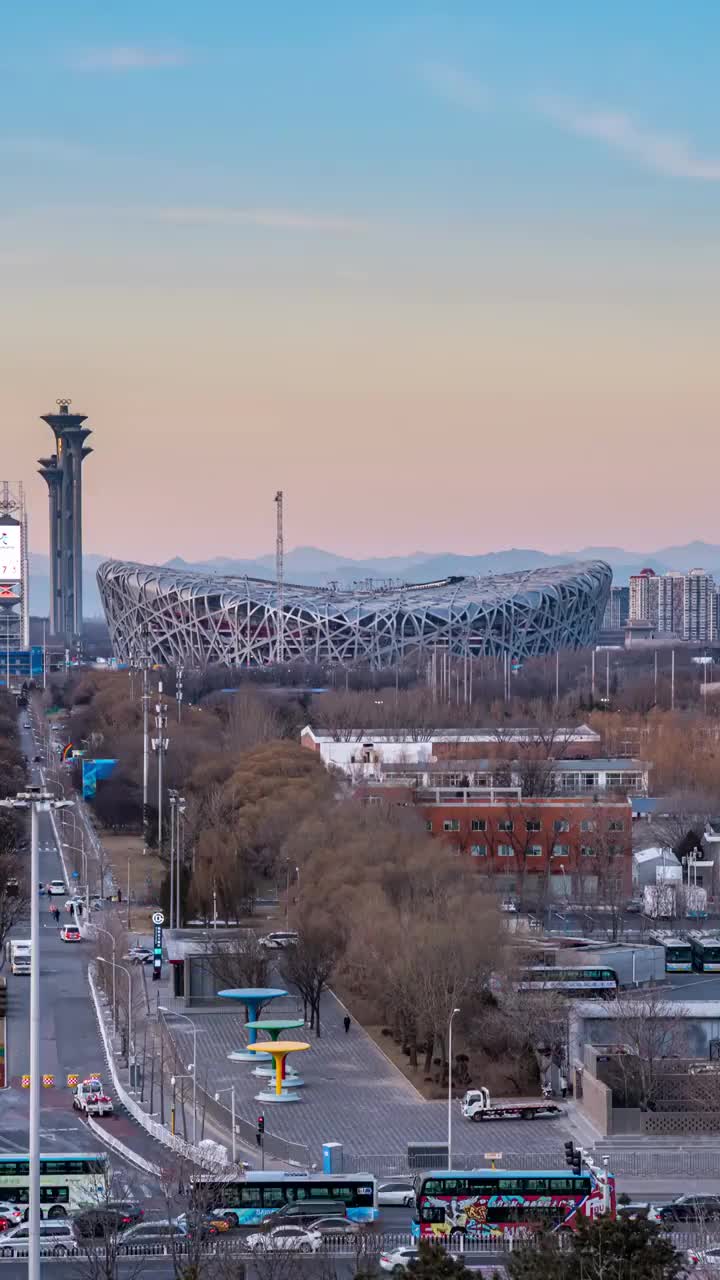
(698, 607)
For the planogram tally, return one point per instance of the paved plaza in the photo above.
(353, 1094)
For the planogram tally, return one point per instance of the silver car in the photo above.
(396, 1191)
(56, 1237)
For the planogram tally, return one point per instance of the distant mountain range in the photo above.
(315, 567)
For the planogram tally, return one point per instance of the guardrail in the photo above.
(366, 1244)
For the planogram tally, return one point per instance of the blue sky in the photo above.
(323, 221)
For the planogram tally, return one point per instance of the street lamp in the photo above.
(104, 960)
(449, 1109)
(160, 746)
(173, 1082)
(191, 1067)
(111, 936)
(231, 1090)
(38, 801)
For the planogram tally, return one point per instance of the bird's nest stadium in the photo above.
(194, 619)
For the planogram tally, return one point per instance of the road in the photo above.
(69, 1038)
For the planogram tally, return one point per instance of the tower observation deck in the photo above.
(62, 472)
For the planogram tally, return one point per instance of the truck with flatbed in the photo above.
(476, 1105)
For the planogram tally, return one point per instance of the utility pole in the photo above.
(146, 739)
(37, 800)
(179, 692)
(672, 679)
(172, 794)
(592, 677)
(160, 746)
(280, 581)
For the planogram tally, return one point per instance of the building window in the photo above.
(534, 851)
(616, 825)
(505, 851)
(478, 850)
(506, 825)
(478, 824)
(561, 851)
(587, 850)
(532, 824)
(451, 824)
(428, 825)
(590, 781)
(587, 824)
(561, 824)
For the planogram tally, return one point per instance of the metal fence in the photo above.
(389, 1166)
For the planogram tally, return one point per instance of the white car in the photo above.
(294, 1239)
(279, 941)
(57, 888)
(396, 1261)
(709, 1257)
(56, 1238)
(11, 1213)
(396, 1191)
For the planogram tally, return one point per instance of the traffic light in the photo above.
(260, 1130)
(573, 1157)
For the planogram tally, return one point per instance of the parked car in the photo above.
(292, 1238)
(698, 1209)
(56, 1237)
(139, 955)
(639, 1209)
(397, 1191)
(396, 1260)
(163, 1232)
(280, 940)
(70, 933)
(56, 888)
(302, 1214)
(75, 901)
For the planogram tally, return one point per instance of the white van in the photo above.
(20, 955)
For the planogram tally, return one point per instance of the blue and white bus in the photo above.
(244, 1202)
(678, 953)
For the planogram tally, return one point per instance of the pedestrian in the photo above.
(346, 1023)
(563, 1084)
(78, 909)
(56, 914)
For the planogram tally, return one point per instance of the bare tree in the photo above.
(310, 964)
(653, 1029)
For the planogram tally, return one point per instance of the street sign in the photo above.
(48, 1082)
(75, 875)
(493, 1155)
(73, 1081)
(25, 1082)
(158, 919)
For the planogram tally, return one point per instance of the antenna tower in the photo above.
(280, 579)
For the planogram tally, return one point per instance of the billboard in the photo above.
(10, 558)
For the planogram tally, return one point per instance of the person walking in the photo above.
(56, 914)
(346, 1023)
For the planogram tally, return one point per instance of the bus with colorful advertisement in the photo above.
(487, 1203)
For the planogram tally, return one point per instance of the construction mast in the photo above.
(280, 580)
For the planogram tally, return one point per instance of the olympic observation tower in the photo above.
(62, 472)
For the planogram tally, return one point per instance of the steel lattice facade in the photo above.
(194, 619)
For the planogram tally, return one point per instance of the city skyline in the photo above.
(446, 281)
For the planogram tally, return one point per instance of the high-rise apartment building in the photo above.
(617, 609)
(670, 604)
(644, 597)
(62, 472)
(698, 607)
(14, 605)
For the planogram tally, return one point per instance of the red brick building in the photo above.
(568, 847)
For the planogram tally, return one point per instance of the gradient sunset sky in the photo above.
(448, 274)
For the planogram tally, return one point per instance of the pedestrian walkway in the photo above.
(353, 1094)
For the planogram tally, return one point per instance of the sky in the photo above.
(448, 274)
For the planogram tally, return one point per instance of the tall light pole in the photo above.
(164, 1011)
(37, 800)
(146, 736)
(160, 745)
(126, 971)
(231, 1090)
(172, 795)
(449, 1109)
(111, 936)
(179, 815)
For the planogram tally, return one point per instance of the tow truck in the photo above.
(91, 1098)
(476, 1105)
